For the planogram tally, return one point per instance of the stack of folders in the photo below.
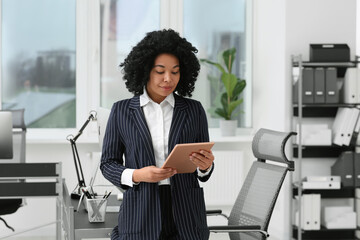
(321, 182)
(351, 89)
(320, 85)
(310, 212)
(347, 166)
(346, 126)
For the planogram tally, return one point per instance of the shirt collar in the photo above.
(145, 99)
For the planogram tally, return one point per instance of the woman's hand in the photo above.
(203, 159)
(152, 174)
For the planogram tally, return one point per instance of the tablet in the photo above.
(179, 158)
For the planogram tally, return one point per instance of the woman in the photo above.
(158, 203)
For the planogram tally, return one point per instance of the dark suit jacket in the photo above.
(127, 134)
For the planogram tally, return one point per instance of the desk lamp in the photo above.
(78, 191)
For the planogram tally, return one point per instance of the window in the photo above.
(60, 58)
(38, 59)
(221, 26)
(123, 24)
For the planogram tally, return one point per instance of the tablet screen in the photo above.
(179, 158)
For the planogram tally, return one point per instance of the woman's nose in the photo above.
(167, 77)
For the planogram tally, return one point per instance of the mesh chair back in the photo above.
(257, 197)
(270, 145)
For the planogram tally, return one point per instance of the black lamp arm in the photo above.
(77, 162)
(92, 116)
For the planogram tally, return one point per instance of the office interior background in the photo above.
(59, 60)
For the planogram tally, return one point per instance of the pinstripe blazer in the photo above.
(127, 135)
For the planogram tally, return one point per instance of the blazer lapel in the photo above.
(178, 120)
(140, 122)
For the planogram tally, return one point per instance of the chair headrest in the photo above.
(270, 145)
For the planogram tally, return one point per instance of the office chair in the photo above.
(8, 206)
(251, 213)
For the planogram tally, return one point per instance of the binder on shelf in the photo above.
(344, 167)
(306, 208)
(338, 127)
(310, 212)
(332, 92)
(319, 85)
(321, 185)
(315, 211)
(356, 132)
(322, 179)
(350, 124)
(307, 87)
(357, 169)
(351, 89)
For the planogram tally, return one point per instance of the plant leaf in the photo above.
(229, 81)
(224, 101)
(221, 113)
(233, 105)
(239, 87)
(214, 64)
(229, 57)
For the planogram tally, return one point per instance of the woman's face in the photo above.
(164, 77)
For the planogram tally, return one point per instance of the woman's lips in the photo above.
(166, 88)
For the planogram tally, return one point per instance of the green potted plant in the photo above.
(228, 98)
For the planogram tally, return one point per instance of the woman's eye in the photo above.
(159, 72)
(175, 72)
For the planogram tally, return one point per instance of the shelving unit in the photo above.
(300, 152)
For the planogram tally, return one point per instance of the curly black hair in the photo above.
(138, 64)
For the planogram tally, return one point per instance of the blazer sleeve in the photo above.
(203, 136)
(112, 163)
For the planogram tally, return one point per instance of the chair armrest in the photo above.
(216, 212)
(237, 229)
(213, 212)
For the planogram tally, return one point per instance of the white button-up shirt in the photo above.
(158, 118)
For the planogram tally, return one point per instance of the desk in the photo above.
(20, 180)
(77, 225)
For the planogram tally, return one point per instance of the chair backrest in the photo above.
(19, 137)
(255, 202)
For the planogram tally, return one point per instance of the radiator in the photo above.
(225, 183)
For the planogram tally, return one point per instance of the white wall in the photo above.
(283, 28)
(270, 89)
